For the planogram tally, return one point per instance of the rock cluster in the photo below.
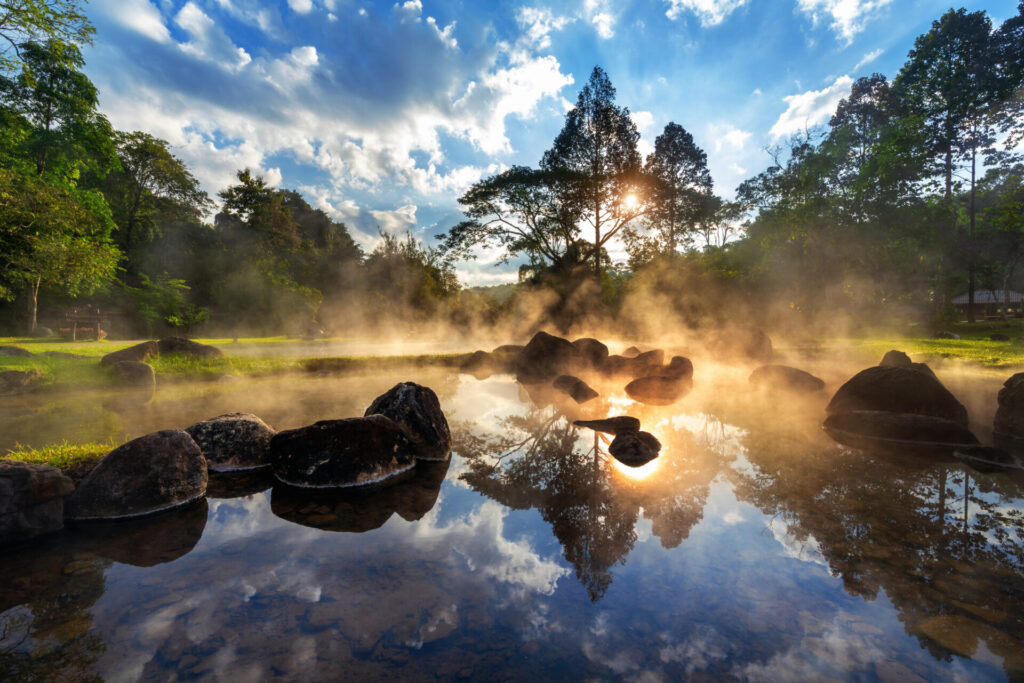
(31, 500)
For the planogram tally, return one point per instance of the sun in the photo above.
(630, 201)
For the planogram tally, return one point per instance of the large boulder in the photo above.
(135, 373)
(611, 425)
(15, 351)
(356, 451)
(634, 448)
(658, 391)
(896, 359)
(31, 500)
(591, 352)
(786, 378)
(19, 381)
(576, 388)
(138, 353)
(874, 429)
(233, 442)
(152, 473)
(1009, 420)
(186, 347)
(415, 409)
(544, 358)
(897, 390)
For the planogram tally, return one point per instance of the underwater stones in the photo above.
(139, 353)
(1009, 419)
(134, 373)
(155, 472)
(19, 381)
(634, 448)
(895, 359)
(544, 358)
(611, 425)
(576, 388)
(590, 351)
(658, 391)
(871, 429)
(31, 500)
(15, 351)
(186, 347)
(416, 410)
(233, 442)
(355, 451)
(786, 378)
(897, 390)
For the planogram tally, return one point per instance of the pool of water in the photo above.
(753, 548)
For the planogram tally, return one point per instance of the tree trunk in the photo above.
(35, 303)
(970, 240)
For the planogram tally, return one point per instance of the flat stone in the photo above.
(233, 441)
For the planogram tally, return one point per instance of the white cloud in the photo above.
(301, 6)
(538, 23)
(137, 15)
(810, 108)
(642, 119)
(731, 137)
(599, 13)
(848, 17)
(209, 41)
(709, 12)
(868, 58)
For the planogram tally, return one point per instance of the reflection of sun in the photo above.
(637, 473)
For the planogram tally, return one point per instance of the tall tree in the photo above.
(680, 186)
(62, 22)
(1009, 62)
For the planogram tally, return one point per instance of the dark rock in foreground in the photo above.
(357, 451)
(19, 381)
(591, 352)
(135, 373)
(611, 425)
(786, 378)
(1009, 419)
(15, 351)
(186, 347)
(31, 500)
(874, 429)
(544, 358)
(658, 391)
(896, 359)
(897, 390)
(415, 409)
(138, 353)
(576, 388)
(233, 442)
(634, 448)
(149, 474)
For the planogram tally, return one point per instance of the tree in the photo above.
(1001, 203)
(680, 188)
(1008, 44)
(60, 22)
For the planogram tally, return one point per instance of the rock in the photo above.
(576, 388)
(998, 337)
(16, 351)
(544, 358)
(786, 378)
(480, 364)
(138, 353)
(945, 335)
(41, 332)
(631, 352)
(152, 473)
(1009, 419)
(897, 390)
(615, 366)
(357, 451)
(508, 351)
(186, 347)
(611, 425)
(658, 391)
(415, 409)
(19, 381)
(591, 352)
(634, 448)
(135, 373)
(31, 500)
(870, 429)
(743, 342)
(647, 363)
(679, 367)
(233, 442)
(896, 359)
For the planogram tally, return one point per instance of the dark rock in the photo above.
(482, 364)
(634, 448)
(356, 451)
(508, 351)
(41, 332)
(139, 353)
(945, 335)
(896, 359)
(648, 362)
(611, 425)
(415, 409)
(135, 373)
(615, 366)
(679, 367)
(239, 483)
(987, 459)
(19, 381)
(233, 442)
(875, 429)
(576, 388)
(152, 473)
(1009, 419)
(897, 390)
(743, 342)
(785, 378)
(16, 351)
(591, 352)
(998, 337)
(658, 391)
(631, 352)
(186, 347)
(544, 358)
(31, 500)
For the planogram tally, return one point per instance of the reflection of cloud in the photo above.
(806, 550)
(837, 648)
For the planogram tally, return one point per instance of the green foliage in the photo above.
(165, 301)
(63, 455)
(60, 22)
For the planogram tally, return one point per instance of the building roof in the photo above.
(991, 296)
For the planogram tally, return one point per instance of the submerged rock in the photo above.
(233, 442)
(658, 391)
(186, 347)
(135, 373)
(634, 448)
(138, 353)
(874, 429)
(15, 351)
(415, 409)
(611, 425)
(591, 352)
(897, 390)
(31, 500)
(786, 378)
(896, 359)
(544, 358)
(149, 474)
(1009, 418)
(356, 451)
(576, 388)
(19, 381)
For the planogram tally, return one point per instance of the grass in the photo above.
(74, 460)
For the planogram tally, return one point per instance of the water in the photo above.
(752, 548)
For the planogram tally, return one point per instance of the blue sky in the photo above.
(383, 113)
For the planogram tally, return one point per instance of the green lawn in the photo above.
(74, 460)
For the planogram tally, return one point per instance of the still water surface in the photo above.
(753, 548)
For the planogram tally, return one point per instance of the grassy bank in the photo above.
(74, 460)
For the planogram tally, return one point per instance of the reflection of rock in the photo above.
(1009, 419)
(356, 451)
(658, 391)
(786, 378)
(19, 381)
(544, 358)
(238, 483)
(130, 398)
(134, 373)
(873, 429)
(634, 448)
(356, 511)
(234, 441)
(186, 347)
(897, 390)
(149, 474)
(611, 425)
(576, 388)
(415, 409)
(31, 500)
(138, 353)
(146, 541)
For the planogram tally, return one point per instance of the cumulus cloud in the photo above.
(810, 108)
(209, 41)
(708, 12)
(846, 17)
(599, 13)
(538, 23)
(137, 15)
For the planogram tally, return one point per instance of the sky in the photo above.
(383, 114)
